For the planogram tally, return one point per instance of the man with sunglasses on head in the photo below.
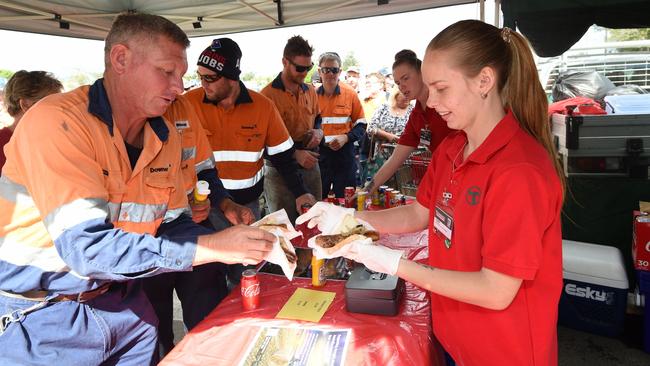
(343, 124)
(243, 128)
(297, 103)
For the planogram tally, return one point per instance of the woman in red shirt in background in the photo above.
(23, 90)
(491, 200)
(424, 126)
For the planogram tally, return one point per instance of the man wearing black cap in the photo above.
(243, 127)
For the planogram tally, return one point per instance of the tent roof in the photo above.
(553, 26)
(92, 18)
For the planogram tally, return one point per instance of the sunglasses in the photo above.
(332, 70)
(301, 68)
(209, 78)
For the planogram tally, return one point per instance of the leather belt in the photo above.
(42, 295)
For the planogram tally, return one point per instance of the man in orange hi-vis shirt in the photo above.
(343, 124)
(91, 198)
(243, 127)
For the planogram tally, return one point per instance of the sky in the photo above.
(374, 42)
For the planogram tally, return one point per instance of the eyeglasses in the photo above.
(332, 70)
(209, 78)
(301, 68)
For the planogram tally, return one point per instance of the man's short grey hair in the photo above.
(144, 28)
(329, 56)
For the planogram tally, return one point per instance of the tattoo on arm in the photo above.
(425, 266)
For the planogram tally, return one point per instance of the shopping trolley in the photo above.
(417, 164)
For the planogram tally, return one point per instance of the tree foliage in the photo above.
(6, 73)
(349, 60)
(637, 34)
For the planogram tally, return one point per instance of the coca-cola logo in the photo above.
(251, 291)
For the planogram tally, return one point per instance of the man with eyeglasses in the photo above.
(297, 103)
(343, 124)
(243, 128)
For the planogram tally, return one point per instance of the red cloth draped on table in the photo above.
(406, 339)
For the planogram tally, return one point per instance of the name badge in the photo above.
(443, 222)
(425, 137)
(182, 125)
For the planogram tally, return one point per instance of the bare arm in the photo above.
(402, 219)
(485, 288)
(387, 136)
(399, 156)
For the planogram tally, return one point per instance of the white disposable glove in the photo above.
(326, 216)
(377, 258)
(349, 250)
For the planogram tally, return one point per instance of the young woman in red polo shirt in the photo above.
(424, 126)
(491, 200)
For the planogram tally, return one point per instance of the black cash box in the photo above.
(371, 292)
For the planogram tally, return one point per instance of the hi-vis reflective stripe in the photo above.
(243, 183)
(335, 120)
(286, 145)
(204, 165)
(188, 153)
(140, 212)
(172, 215)
(14, 192)
(233, 155)
(360, 120)
(73, 213)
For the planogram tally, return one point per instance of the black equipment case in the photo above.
(603, 145)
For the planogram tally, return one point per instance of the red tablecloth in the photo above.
(405, 339)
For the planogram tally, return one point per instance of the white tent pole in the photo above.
(497, 13)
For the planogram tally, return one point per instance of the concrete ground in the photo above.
(575, 347)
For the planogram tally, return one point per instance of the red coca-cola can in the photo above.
(250, 289)
(349, 196)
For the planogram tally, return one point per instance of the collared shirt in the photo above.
(197, 162)
(300, 113)
(424, 119)
(342, 113)
(241, 136)
(505, 201)
(74, 213)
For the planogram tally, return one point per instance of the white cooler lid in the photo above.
(591, 263)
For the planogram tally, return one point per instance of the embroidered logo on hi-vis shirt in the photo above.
(473, 195)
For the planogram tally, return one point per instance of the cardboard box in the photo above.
(641, 241)
(594, 295)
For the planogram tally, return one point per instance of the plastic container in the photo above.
(201, 191)
(594, 296)
(628, 104)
